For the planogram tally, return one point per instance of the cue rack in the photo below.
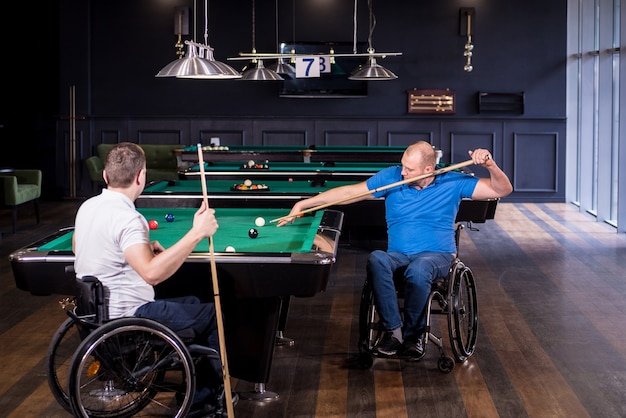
(72, 141)
(431, 101)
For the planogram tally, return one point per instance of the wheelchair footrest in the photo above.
(397, 357)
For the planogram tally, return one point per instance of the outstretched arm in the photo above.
(338, 194)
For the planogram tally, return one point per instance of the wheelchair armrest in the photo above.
(85, 321)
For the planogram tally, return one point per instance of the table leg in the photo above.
(281, 340)
(258, 394)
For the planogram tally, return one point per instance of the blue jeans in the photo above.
(184, 313)
(421, 270)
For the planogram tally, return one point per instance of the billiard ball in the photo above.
(169, 217)
(247, 182)
(251, 163)
(259, 221)
(153, 224)
(253, 233)
(229, 249)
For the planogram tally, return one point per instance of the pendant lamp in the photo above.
(199, 62)
(258, 72)
(371, 71)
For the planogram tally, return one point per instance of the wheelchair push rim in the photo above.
(131, 367)
(463, 315)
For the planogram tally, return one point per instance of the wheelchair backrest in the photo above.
(91, 301)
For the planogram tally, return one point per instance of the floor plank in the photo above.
(551, 340)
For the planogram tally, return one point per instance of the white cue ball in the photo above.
(247, 182)
(259, 221)
(229, 249)
(251, 163)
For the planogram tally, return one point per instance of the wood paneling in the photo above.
(551, 339)
(528, 151)
(535, 156)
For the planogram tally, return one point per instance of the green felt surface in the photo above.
(298, 148)
(234, 224)
(313, 167)
(194, 186)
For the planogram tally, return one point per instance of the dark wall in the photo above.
(111, 50)
(519, 47)
(29, 76)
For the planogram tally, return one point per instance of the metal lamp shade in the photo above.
(284, 69)
(260, 73)
(194, 66)
(372, 71)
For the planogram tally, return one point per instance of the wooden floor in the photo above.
(551, 341)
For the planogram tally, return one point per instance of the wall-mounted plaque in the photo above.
(431, 101)
(505, 103)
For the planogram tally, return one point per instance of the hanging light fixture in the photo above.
(284, 69)
(281, 67)
(469, 46)
(371, 70)
(258, 72)
(199, 62)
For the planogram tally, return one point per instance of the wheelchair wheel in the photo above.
(445, 364)
(131, 367)
(463, 314)
(368, 326)
(64, 343)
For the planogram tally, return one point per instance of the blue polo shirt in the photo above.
(422, 220)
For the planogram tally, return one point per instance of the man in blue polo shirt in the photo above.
(420, 227)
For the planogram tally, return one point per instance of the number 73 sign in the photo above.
(310, 67)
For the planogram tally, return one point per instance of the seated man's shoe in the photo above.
(209, 409)
(201, 411)
(413, 347)
(388, 345)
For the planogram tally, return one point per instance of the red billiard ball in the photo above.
(153, 224)
(253, 233)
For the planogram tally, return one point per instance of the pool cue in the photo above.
(379, 189)
(216, 296)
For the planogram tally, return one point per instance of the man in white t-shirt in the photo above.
(111, 242)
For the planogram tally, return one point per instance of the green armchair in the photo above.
(18, 187)
(95, 167)
(161, 162)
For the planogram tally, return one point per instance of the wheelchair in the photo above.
(453, 296)
(128, 366)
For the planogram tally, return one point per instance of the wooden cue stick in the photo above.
(379, 189)
(216, 295)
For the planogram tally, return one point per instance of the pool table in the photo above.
(344, 171)
(365, 218)
(294, 260)
(224, 193)
(307, 154)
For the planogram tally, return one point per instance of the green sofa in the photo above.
(161, 162)
(18, 187)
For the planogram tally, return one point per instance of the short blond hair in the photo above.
(123, 163)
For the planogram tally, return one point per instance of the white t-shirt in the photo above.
(105, 226)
